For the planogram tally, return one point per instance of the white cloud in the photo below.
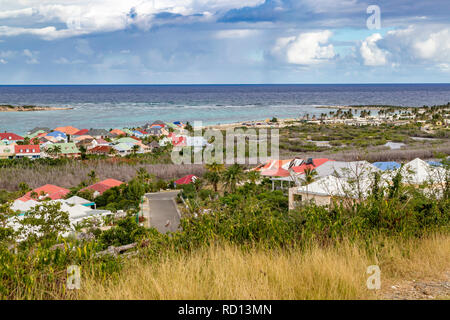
(31, 56)
(3, 61)
(306, 48)
(92, 16)
(236, 33)
(435, 47)
(372, 55)
(7, 54)
(83, 47)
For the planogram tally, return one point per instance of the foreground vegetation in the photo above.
(237, 240)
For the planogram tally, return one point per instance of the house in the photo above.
(417, 172)
(102, 142)
(100, 150)
(343, 169)
(336, 180)
(328, 189)
(80, 201)
(41, 129)
(387, 165)
(9, 137)
(154, 131)
(99, 133)
(128, 140)
(117, 132)
(310, 163)
(47, 191)
(58, 135)
(7, 150)
(100, 187)
(157, 123)
(87, 143)
(69, 150)
(186, 180)
(123, 148)
(154, 145)
(69, 130)
(83, 137)
(27, 151)
(81, 132)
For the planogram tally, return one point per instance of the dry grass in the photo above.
(71, 174)
(230, 273)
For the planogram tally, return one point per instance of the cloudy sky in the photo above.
(223, 41)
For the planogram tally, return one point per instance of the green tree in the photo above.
(214, 173)
(135, 148)
(309, 176)
(45, 221)
(253, 176)
(92, 175)
(232, 176)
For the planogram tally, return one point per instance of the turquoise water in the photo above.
(118, 106)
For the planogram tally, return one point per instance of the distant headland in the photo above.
(11, 108)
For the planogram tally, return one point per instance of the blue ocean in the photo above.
(116, 106)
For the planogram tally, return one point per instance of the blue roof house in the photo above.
(387, 165)
(58, 135)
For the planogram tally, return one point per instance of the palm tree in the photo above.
(92, 177)
(232, 176)
(143, 175)
(135, 148)
(214, 173)
(253, 176)
(309, 177)
(197, 184)
(213, 178)
(215, 167)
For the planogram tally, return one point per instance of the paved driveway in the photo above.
(162, 212)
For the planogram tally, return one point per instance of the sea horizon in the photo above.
(130, 105)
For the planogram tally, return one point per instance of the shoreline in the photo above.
(10, 108)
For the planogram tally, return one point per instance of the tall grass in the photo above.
(73, 172)
(228, 272)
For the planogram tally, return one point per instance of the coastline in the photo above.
(10, 108)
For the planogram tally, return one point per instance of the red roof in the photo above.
(27, 149)
(51, 191)
(100, 149)
(186, 179)
(101, 141)
(179, 141)
(81, 132)
(316, 162)
(276, 172)
(104, 185)
(10, 136)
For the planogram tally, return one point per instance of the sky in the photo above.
(224, 41)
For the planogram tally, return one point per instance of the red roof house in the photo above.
(104, 185)
(186, 179)
(48, 191)
(316, 163)
(11, 137)
(81, 132)
(276, 172)
(105, 150)
(28, 151)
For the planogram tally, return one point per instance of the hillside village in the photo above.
(71, 142)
